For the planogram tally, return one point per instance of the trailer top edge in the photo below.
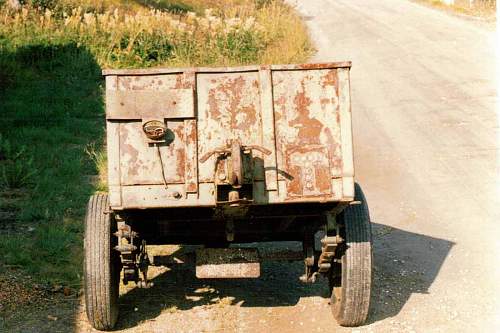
(163, 70)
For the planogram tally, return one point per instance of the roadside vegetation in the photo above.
(481, 9)
(51, 105)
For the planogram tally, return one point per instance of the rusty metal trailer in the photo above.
(221, 156)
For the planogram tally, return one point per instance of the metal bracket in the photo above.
(133, 256)
(310, 274)
(329, 245)
(234, 148)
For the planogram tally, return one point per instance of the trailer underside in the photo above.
(223, 225)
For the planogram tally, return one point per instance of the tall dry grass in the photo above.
(242, 34)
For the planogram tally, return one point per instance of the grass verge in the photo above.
(484, 10)
(51, 105)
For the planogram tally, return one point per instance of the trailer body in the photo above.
(292, 123)
(217, 157)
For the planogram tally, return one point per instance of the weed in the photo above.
(16, 166)
(14, 249)
(98, 156)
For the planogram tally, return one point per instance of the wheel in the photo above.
(101, 265)
(350, 280)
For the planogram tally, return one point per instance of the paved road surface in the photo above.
(426, 145)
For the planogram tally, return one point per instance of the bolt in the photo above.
(176, 195)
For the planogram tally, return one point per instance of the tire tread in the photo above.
(352, 310)
(100, 276)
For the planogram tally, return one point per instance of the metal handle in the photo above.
(227, 151)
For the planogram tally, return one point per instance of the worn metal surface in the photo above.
(227, 263)
(292, 124)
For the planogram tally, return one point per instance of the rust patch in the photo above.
(306, 115)
(323, 180)
(244, 117)
(180, 164)
(184, 81)
(191, 158)
(155, 82)
(330, 79)
(228, 110)
(128, 149)
(310, 66)
(309, 128)
(310, 169)
(213, 105)
(230, 91)
(324, 102)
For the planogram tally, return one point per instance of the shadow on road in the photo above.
(179, 289)
(405, 263)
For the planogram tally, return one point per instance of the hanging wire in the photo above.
(161, 164)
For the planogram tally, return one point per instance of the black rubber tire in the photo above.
(351, 288)
(101, 265)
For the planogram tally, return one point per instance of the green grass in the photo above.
(52, 112)
(52, 109)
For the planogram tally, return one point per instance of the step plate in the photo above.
(230, 263)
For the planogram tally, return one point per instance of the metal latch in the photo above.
(234, 148)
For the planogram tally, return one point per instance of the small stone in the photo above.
(53, 318)
(56, 288)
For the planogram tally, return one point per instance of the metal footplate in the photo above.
(227, 263)
(242, 262)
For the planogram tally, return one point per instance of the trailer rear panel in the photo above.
(188, 137)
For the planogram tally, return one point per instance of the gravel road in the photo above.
(426, 144)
